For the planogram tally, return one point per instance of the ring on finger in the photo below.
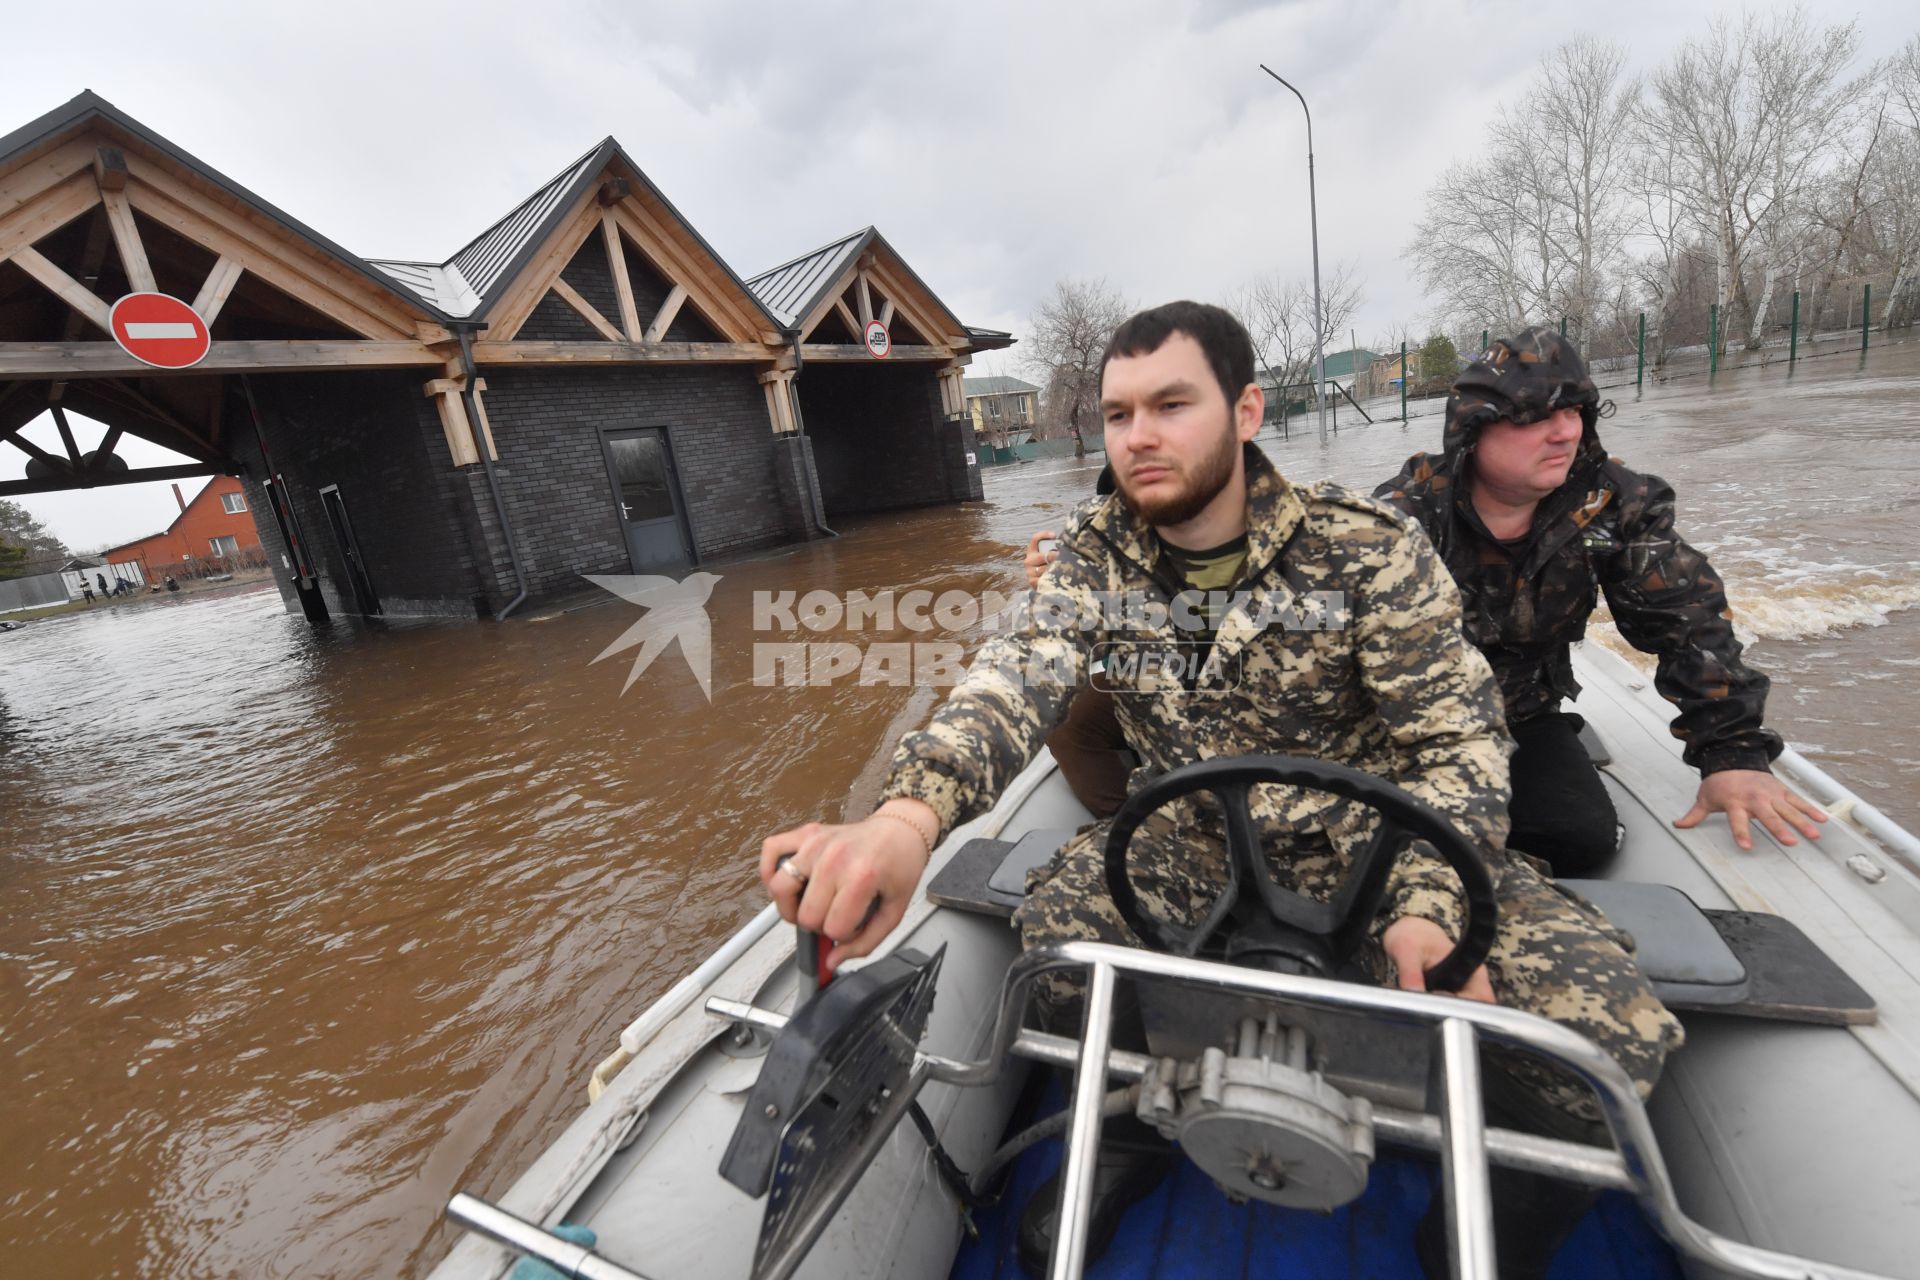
(786, 864)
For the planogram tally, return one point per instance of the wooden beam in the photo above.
(920, 316)
(854, 327)
(52, 485)
(110, 169)
(621, 353)
(886, 313)
(571, 296)
(353, 306)
(219, 284)
(65, 429)
(36, 177)
(124, 394)
(126, 238)
(864, 296)
(46, 214)
(837, 353)
(65, 287)
(453, 424)
(57, 360)
(663, 320)
(376, 296)
(712, 293)
(33, 450)
(622, 283)
(504, 321)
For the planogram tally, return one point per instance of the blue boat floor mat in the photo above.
(1187, 1230)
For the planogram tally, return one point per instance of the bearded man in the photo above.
(1385, 682)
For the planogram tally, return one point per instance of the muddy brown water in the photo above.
(305, 929)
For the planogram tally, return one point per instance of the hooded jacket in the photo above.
(1342, 643)
(1605, 529)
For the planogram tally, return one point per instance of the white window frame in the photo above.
(233, 503)
(219, 552)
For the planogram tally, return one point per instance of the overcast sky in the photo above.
(999, 146)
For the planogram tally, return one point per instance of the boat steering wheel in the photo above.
(1338, 924)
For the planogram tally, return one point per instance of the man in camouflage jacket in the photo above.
(1343, 642)
(1535, 521)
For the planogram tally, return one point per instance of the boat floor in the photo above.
(1186, 1230)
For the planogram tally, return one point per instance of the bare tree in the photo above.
(1581, 109)
(1534, 231)
(1066, 338)
(1746, 115)
(1471, 248)
(1279, 315)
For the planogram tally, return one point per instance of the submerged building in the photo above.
(585, 387)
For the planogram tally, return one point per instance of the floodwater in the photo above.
(307, 928)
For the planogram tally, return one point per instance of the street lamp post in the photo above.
(1313, 214)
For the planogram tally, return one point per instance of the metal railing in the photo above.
(1458, 1133)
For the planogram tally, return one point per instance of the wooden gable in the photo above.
(167, 226)
(878, 285)
(620, 278)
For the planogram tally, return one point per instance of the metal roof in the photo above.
(997, 385)
(792, 289)
(443, 286)
(1341, 364)
(486, 259)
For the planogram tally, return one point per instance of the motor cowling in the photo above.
(1262, 1123)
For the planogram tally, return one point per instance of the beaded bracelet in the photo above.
(910, 824)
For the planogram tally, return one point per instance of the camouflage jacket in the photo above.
(1606, 529)
(1346, 646)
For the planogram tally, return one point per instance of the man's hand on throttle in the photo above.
(851, 883)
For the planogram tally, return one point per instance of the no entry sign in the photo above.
(878, 343)
(160, 330)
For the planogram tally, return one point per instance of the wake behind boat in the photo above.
(1779, 1144)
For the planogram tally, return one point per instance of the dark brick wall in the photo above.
(379, 439)
(547, 425)
(878, 438)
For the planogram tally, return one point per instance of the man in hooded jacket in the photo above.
(1535, 521)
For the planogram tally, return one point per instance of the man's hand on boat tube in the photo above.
(850, 883)
(1415, 945)
(1038, 557)
(1754, 795)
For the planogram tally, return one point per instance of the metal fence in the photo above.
(36, 592)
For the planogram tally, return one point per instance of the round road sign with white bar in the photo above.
(160, 330)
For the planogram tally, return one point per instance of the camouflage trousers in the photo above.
(1554, 954)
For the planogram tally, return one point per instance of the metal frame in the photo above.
(1458, 1133)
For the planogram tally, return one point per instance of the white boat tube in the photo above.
(1841, 803)
(679, 996)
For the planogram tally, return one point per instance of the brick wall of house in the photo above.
(191, 537)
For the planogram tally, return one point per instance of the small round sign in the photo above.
(879, 344)
(160, 330)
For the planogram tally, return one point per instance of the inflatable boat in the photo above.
(753, 1123)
